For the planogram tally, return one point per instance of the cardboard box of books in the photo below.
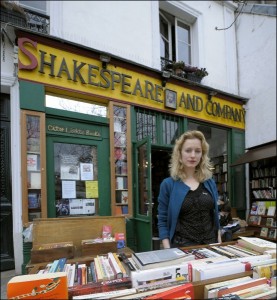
(159, 276)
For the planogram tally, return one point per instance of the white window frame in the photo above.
(169, 34)
(35, 9)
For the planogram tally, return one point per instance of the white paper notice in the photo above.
(68, 189)
(86, 171)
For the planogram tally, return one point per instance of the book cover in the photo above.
(219, 269)
(267, 271)
(252, 292)
(38, 286)
(264, 231)
(33, 200)
(253, 210)
(160, 258)
(124, 197)
(271, 211)
(269, 222)
(261, 208)
(184, 291)
(35, 180)
(254, 220)
(158, 276)
(61, 264)
(272, 233)
(32, 162)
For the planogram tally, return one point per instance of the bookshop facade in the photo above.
(97, 132)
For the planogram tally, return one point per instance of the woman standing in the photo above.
(187, 210)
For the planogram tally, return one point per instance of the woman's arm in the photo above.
(166, 243)
(219, 236)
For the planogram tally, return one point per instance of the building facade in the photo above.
(94, 112)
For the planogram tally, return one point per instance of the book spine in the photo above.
(117, 271)
(54, 266)
(120, 265)
(98, 270)
(108, 268)
(72, 275)
(79, 274)
(103, 270)
(61, 264)
(92, 269)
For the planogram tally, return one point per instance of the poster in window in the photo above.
(32, 162)
(70, 167)
(68, 189)
(170, 99)
(86, 171)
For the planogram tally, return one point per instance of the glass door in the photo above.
(75, 169)
(143, 200)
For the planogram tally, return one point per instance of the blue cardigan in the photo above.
(172, 194)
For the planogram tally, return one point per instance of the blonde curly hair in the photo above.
(203, 170)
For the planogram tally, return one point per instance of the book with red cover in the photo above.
(242, 286)
(184, 291)
(99, 287)
(38, 286)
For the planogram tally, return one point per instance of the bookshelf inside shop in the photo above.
(120, 152)
(262, 216)
(220, 173)
(33, 166)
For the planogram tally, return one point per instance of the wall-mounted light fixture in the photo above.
(211, 94)
(165, 75)
(105, 60)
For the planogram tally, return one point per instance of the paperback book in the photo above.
(38, 286)
(160, 258)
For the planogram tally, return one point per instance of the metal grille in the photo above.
(37, 22)
(171, 129)
(148, 123)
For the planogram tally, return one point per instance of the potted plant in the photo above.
(195, 74)
(178, 67)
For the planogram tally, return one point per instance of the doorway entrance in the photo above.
(160, 170)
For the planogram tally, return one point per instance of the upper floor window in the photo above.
(175, 38)
(38, 6)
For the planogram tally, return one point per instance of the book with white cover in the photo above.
(271, 211)
(160, 258)
(156, 277)
(256, 244)
(210, 290)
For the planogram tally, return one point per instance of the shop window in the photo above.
(75, 105)
(170, 131)
(175, 38)
(76, 179)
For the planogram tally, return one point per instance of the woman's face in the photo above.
(191, 153)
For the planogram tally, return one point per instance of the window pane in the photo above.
(184, 42)
(76, 106)
(39, 6)
(146, 126)
(170, 131)
(164, 38)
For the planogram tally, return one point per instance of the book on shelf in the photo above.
(160, 258)
(271, 211)
(254, 207)
(38, 286)
(261, 208)
(35, 180)
(269, 222)
(272, 233)
(32, 162)
(124, 197)
(115, 266)
(61, 264)
(33, 200)
(211, 290)
(183, 291)
(254, 220)
(264, 231)
(256, 244)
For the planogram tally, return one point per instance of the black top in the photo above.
(195, 222)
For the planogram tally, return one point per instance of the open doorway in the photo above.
(160, 170)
